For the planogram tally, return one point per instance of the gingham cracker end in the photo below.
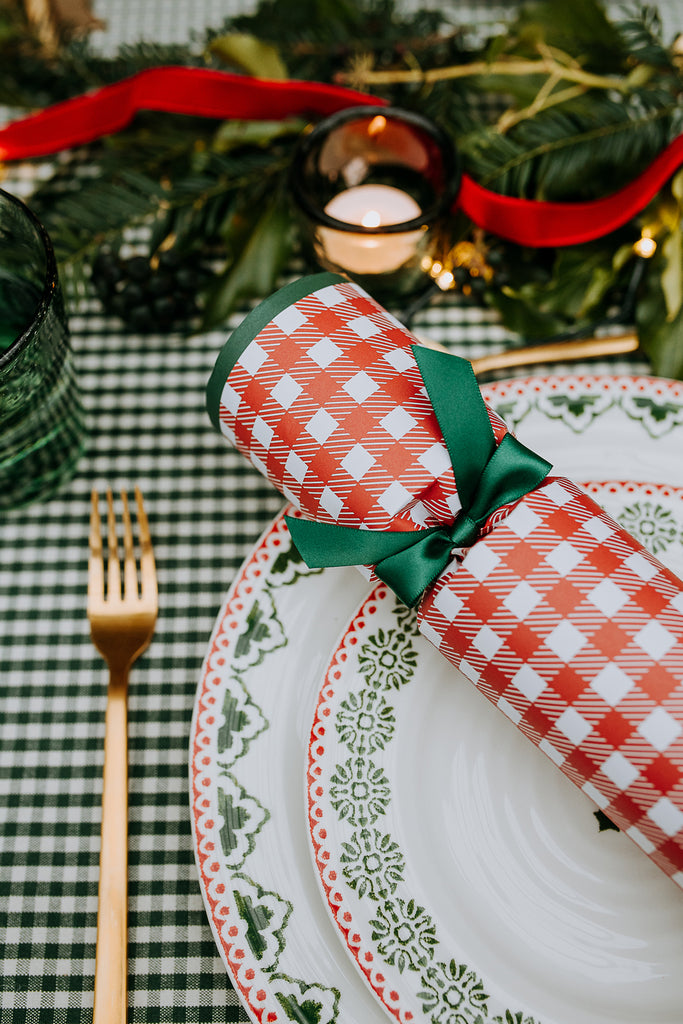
(575, 632)
(328, 403)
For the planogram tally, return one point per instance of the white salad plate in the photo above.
(514, 907)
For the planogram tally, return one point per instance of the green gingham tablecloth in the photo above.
(144, 398)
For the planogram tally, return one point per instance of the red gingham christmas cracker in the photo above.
(557, 615)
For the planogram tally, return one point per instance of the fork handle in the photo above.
(111, 956)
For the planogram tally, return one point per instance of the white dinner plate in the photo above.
(249, 749)
(469, 879)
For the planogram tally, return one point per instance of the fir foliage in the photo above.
(601, 100)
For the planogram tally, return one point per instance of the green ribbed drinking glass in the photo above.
(42, 431)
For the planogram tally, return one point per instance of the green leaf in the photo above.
(249, 54)
(660, 339)
(543, 305)
(232, 134)
(672, 274)
(642, 35)
(664, 347)
(259, 260)
(522, 316)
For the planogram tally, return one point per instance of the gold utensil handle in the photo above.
(111, 957)
(557, 351)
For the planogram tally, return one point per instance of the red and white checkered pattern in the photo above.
(576, 633)
(328, 403)
(557, 615)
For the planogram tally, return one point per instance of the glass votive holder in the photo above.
(373, 186)
(42, 432)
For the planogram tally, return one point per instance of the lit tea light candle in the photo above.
(372, 187)
(371, 206)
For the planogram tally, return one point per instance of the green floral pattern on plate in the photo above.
(654, 525)
(403, 933)
(237, 817)
(579, 401)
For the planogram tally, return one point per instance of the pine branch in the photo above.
(584, 150)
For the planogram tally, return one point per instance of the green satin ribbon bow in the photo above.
(486, 476)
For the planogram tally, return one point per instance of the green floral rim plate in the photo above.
(450, 849)
(249, 746)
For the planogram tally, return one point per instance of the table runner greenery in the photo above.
(563, 103)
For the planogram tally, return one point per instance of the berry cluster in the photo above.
(148, 294)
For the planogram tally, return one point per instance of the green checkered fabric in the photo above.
(144, 399)
(147, 424)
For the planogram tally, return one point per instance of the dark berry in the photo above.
(133, 293)
(140, 319)
(119, 306)
(149, 295)
(138, 268)
(161, 284)
(104, 289)
(187, 279)
(169, 260)
(166, 308)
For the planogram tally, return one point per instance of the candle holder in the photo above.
(373, 185)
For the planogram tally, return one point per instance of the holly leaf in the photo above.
(662, 340)
(260, 255)
(538, 306)
(521, 314)
(249, 54)
(672, 252)
(672, 274)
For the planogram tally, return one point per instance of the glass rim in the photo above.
(49, 286)
(449, 155)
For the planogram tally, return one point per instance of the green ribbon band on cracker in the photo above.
(487, 476)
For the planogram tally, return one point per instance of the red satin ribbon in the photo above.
(175, 90)
(206, 93)
(536, 224)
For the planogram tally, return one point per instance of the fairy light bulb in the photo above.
(646, 246)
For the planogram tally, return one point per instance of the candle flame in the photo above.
(371, 219)
(377, 125)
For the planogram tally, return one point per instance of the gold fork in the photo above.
(121, 626)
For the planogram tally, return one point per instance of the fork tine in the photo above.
(113, 568)
(130, 575)
(95, 561)
(148, 572)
